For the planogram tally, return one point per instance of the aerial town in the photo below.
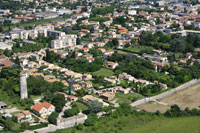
(99, 66)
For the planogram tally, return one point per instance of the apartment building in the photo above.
(34, 33)
(64, 41)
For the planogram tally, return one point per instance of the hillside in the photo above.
(142, 124)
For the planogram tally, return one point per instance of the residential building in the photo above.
(6, 63)
(24, 116)
(132, 12)
(108, 96)
(3, 105)
(88, 98)
(55, 34)
(50, 108)
(156, 58)
(111, 65)
(43, 109)
(38, 109)
(4, 46)
(64, 41)
(70, 98)
(88, 84)
(75, 87)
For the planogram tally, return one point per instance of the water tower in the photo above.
(23, 85)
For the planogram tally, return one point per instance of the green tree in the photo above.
(59, 102)
(113, 44)
(71, 112)
(127, 45)
(53, 118)
(1, 29)
(146, 38)
(95, 106)
(92, 118)
(178, 45)
(24, 125)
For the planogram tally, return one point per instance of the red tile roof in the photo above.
(7, 63)
(37, 107)
(26, 112)
(71, 96)
(46, 105)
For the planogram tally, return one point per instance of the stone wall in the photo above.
(71, 121)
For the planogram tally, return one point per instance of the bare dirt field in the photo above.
(189, 97)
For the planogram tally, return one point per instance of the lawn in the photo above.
(135, 49)
(127, 98)
(103, 72)
(81, 106)
(141, 124)
(173, 125)
(35, 97)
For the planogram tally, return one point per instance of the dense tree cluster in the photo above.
(52, 57)
(120, 20)
(73, 111)
(10, 89)
(37, 86)
(10, 4)
(175, 111)
(58, 101)
(12, 125)
(144, 69)
(171, 43)
(82, 65)
(114, 43)
(28, 48)
(103, 11)
(95, 106)
(53, 118)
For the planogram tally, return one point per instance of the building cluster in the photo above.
(86, 36)
(44, 109)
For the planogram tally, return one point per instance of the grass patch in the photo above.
(141, 124)
(103, 72)
(173, 125)
(127, 98)
(35, 97)
(81, 106)
(134, 49)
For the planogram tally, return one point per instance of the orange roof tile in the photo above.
(7, 63)
(37, 107)
(46, 105)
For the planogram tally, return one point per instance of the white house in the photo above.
(112, 65)
(132, 12)
(43, 109)
(64, 41)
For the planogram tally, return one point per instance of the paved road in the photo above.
(10, 110)
(164, 94)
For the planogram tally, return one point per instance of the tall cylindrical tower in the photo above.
(23, 85)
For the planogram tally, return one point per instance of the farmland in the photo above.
(188, 97)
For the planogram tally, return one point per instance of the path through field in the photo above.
(188, 97)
